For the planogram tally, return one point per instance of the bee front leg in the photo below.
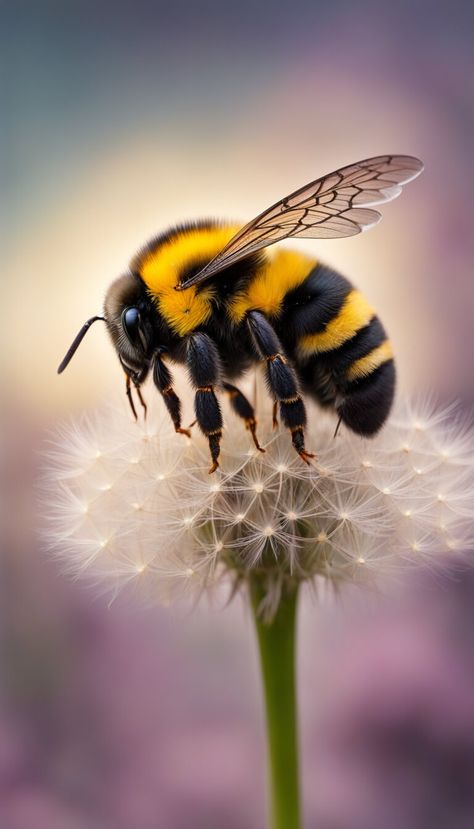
(128, 391)
(202, 359)
(282, 380)
(164, 383)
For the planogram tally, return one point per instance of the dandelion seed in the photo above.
(366, 503)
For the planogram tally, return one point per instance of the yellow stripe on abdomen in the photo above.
(366, 365)
(355, 314)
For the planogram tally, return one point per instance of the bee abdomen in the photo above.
(364, 376)
(367, 401)
(341, 349)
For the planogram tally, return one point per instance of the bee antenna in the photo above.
(76, 343)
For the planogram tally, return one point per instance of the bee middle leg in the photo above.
(202, 359)
(282, 380)
(243, 409)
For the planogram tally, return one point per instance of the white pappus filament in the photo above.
(133, 503)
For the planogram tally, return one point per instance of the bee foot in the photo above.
(251, 425)
(306, 456)
(181, 431)
(213, 468)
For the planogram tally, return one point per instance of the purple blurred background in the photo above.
(120, 118)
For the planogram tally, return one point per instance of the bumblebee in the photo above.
(210, 296)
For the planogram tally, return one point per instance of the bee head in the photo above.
(131, 321)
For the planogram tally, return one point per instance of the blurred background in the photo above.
(119, 119)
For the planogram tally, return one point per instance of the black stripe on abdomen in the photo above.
(339, 360)
(367, 402)
(308, 308)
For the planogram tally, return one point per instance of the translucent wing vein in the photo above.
(332, 207)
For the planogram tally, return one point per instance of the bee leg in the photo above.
(282, 380)
(128, 391)
(243, 409)
(164, 383)
(203, 363)
(275, 415)
(142, 401)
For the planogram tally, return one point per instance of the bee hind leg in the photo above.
(243, 409)
(282, 380)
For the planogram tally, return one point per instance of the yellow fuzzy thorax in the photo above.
(162, 269)
(283, 272)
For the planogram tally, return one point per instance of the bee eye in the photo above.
(131, 324)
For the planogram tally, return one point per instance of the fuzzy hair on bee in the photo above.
(210, 295)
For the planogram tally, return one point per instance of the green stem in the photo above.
(276, 640)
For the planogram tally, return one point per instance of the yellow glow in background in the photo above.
(226, 139)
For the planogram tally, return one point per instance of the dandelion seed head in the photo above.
(125, 499)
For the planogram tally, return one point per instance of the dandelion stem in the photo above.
(276, 640)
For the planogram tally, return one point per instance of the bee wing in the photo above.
(328, 208)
